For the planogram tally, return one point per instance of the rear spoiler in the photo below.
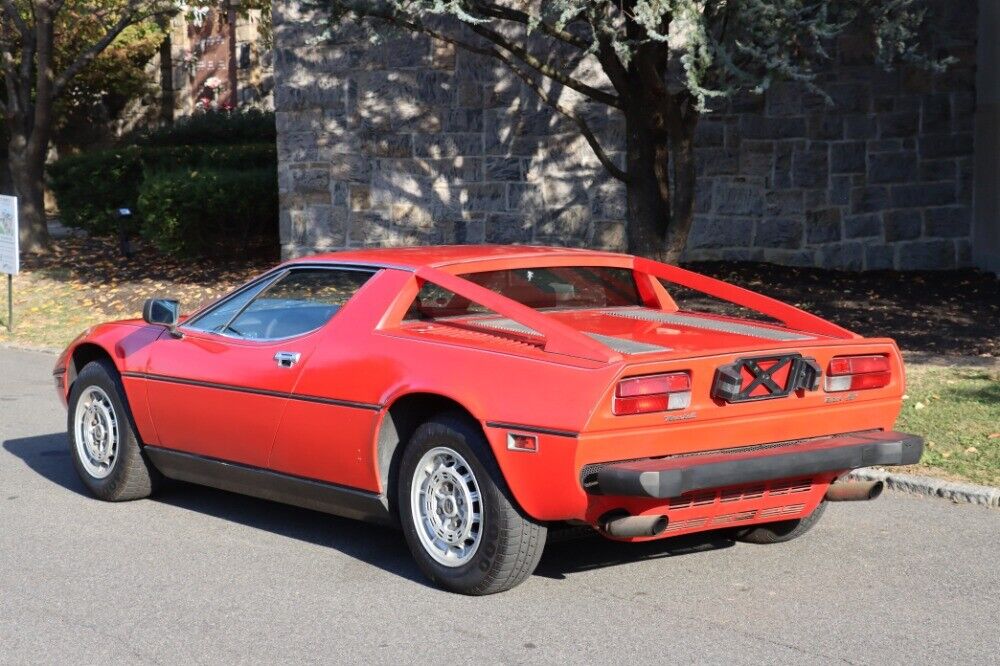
(789, 315)
(559, 338)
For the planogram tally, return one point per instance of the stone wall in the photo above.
(410, 142)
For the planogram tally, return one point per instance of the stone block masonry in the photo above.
(412, 142)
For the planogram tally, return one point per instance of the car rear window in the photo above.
(556, 287)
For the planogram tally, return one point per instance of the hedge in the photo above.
(213, 127)
(195, 212)
(91, 187)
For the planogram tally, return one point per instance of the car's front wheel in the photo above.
(460, 521)
(103, 443)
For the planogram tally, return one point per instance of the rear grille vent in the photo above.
(685, 525)
(457, 333)
(734, 517)
(690, 500)
(790, 488)
(504, 324)
(775, 511)
(707, 323)
(623, 346)
(737, 494)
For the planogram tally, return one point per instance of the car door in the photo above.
(219, 390)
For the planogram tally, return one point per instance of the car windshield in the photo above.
(561, 287)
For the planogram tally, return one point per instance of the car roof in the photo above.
(437, 256)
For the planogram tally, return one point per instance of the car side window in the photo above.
(215, 320)
(299, 302)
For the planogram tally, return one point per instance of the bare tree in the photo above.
(664, 62)
(36, 73)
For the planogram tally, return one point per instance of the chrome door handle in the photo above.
(287, 359)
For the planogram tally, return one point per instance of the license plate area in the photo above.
(765, 378)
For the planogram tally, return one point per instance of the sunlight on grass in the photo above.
(957, 410)
(49, 311)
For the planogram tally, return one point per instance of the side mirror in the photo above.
(161, 311)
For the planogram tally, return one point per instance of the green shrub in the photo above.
(247, 155)
(91, 187)
(213, 127)
(199, 212)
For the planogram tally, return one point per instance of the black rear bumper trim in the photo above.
(664, 478)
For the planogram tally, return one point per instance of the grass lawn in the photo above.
(957, 410)
(84, 282)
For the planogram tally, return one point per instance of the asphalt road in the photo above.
(198, 575)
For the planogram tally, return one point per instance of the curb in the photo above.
(931, 487)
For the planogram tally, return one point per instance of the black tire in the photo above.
(131, 475)
(510, 543)
(780, 532)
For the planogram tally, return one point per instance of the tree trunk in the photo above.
(682, 144)
(166, 76)
(660, 210)
(647, 154)
(28, 175)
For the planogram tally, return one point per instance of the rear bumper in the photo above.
(664, 478)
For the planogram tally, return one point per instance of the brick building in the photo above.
(409, 141)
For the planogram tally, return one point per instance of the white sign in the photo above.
(9, 255)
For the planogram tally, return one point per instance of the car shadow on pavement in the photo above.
(49, 457)
(595, 552)
(379, 546)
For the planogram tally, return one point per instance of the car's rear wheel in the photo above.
(780, 532)
(460, 521)
(103, 442)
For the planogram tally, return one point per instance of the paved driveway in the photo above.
(198, 575)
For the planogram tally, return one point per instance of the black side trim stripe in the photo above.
(527, 428)
(271, 485)
(255, 391)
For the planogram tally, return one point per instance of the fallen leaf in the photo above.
(919, 405)
(972, 449)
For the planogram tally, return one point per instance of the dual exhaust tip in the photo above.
(854, 491)
(623, 526)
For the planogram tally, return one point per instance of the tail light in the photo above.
(652, 393)
(856, 373)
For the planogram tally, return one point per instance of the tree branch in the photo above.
(529, 59)
(584, 128)
(10, 9)
(130, 16)
(581, 124)
(27, 54)
(365, 9)
(613, 67)
(518, 16)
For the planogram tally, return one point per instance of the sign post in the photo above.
(9, 250)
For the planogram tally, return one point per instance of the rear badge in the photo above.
(765, 378)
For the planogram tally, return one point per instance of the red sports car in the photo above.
(478, 396)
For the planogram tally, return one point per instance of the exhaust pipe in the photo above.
(854, 491)
(625, 527)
